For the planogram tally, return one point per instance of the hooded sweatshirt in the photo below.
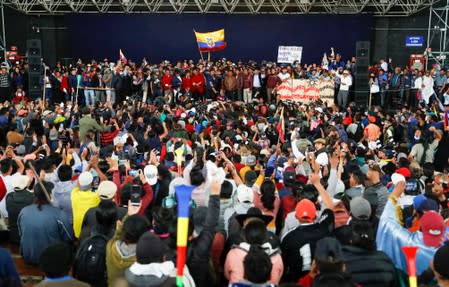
(155, 274)
(119, 256)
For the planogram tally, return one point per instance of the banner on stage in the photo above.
(289, 54)
(306, 90)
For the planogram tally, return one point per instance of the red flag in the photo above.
(446, 120)
(123, 58)
(281, 127)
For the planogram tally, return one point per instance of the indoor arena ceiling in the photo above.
(375, 7)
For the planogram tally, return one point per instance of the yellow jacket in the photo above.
(81, 202)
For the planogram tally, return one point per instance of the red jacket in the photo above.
(200, 81)
(146, 198)
(2, 189)
(187, 83)
(19, 97)
(167, 81)
(65, 84)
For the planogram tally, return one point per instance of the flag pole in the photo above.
(199, 50)
(208, 56)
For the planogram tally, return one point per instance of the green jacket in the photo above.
(88, 124)
(116, 261)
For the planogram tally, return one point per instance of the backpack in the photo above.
(90, 261)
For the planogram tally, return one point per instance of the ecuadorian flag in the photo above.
(211, 41)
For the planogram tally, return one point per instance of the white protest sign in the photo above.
(289, 54)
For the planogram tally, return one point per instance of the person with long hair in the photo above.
(267, 200)
(41, 225)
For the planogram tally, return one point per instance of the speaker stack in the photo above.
(361, 79)
(34, 51)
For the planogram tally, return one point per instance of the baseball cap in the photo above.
(432, 227)
(106, 189)
(289, 177)
(305, 209)
(389, 153)
(396, 178)
(404, 171)
(440, 260)
(150, 172)
(245, 194)
(85, 180)
(251, 160)
(360, 208)
(20, 181)
(422, 203)
(328, 249)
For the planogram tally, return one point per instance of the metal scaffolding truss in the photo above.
(375, 7)
(437, 34)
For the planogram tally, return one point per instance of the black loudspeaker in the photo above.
(361, 77)
(34, 52)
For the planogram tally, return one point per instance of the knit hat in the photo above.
(440, 260)
(360, 208)
(305, 209)
(432, 227)
(56, 260)
(149, 249)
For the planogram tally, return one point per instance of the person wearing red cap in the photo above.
(372, 131)
(404, 171)
(298, 245)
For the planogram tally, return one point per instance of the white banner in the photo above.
(289, 54)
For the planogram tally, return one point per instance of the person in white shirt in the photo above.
(345, 83)
(6, 168)
(427, 87)
(384, 65)
(284, 74)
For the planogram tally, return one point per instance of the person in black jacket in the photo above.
(369, 267)
(205, 221)
(15, 202)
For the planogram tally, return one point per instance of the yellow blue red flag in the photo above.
(211, 41)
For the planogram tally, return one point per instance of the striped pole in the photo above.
(179, 152)
(410, 255)
(183, 195)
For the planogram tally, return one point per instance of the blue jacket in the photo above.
(72, 81)
(8, 272)
(176, 83)
(40, 228)
(334, 65)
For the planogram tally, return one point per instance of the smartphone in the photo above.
(133, 173)
(136, 191)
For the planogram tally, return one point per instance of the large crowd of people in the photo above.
(285, 193)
